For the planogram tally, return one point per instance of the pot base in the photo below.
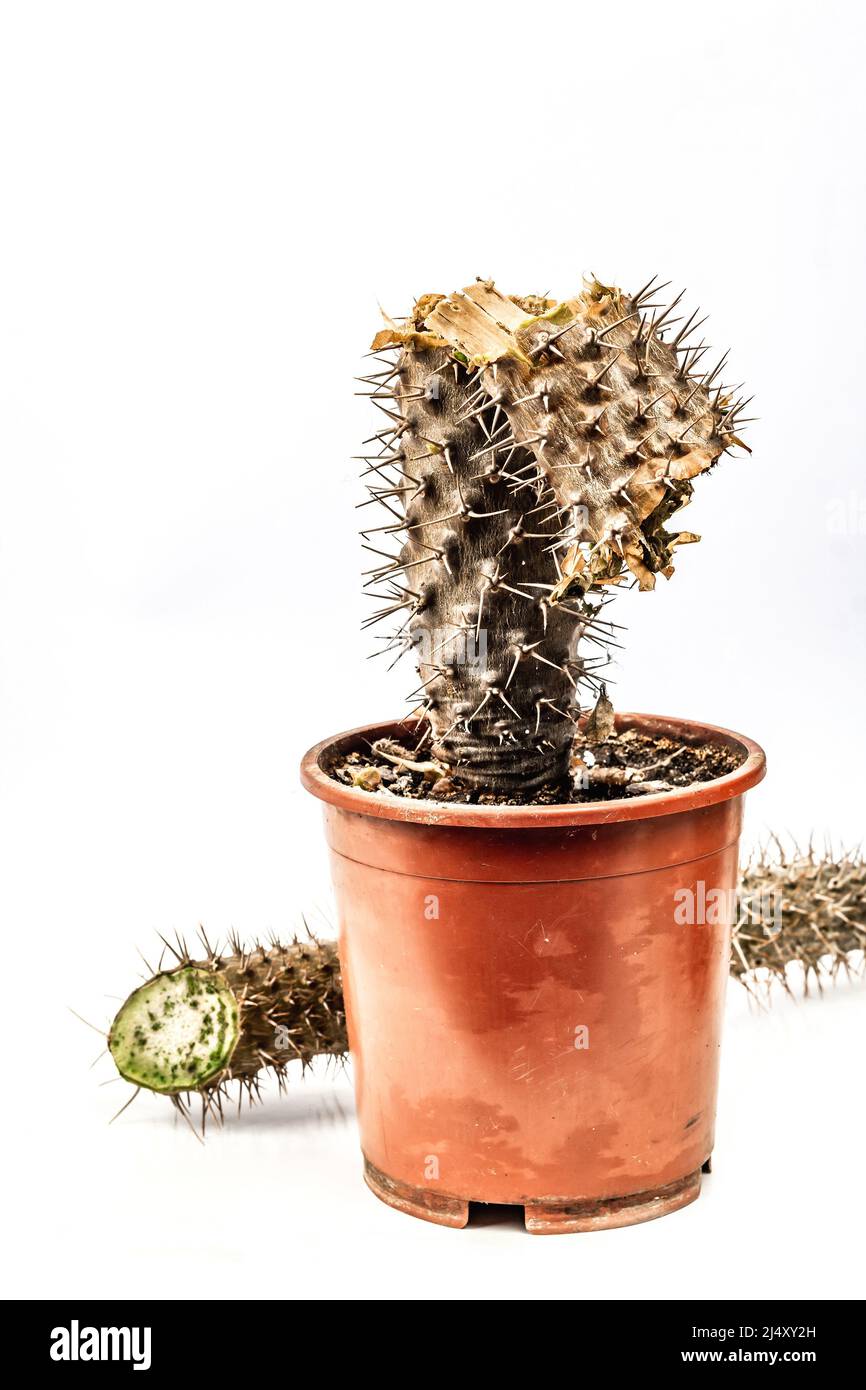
(541, 1218)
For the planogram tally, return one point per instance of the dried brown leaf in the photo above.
(600, 724)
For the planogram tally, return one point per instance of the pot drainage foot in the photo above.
(416, 1201)
(540, 1218)
(561, 1218)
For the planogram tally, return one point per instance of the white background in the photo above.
(202, 206)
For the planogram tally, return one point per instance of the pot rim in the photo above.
(429, 812)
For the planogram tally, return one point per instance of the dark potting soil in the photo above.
(625, 764)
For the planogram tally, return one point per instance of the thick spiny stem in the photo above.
(497, 658)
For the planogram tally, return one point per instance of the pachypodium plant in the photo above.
(533, 453)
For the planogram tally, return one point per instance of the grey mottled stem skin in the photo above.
(497, 662)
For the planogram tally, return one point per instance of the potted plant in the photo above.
(535, 901)
(531, 1019)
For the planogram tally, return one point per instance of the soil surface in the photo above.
(625, 764)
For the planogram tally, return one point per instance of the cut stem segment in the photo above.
(177, 1032)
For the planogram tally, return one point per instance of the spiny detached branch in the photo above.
(820, 902)
(205, 1023)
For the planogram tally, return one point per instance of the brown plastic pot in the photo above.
(528, 1020)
